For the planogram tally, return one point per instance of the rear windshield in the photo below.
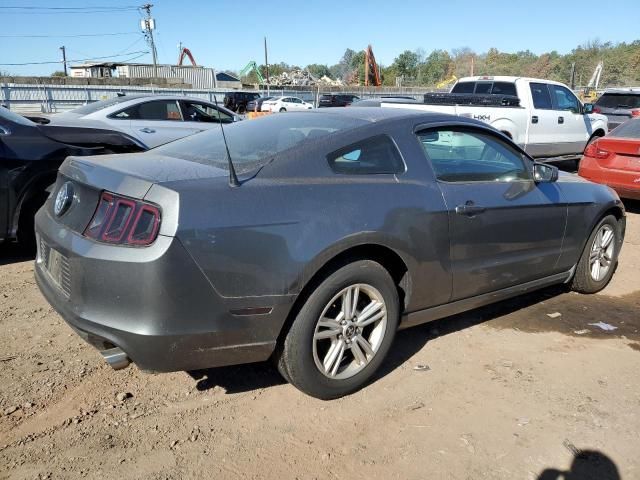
(254, 142)
(95, 106)
(619, 100)
(629, 129)
(493, 88)
(6, 114)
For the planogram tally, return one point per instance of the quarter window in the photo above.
(472, 156)
(374, 155)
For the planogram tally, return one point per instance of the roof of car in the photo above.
(379, 114)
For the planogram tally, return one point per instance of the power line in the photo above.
(61, 11)
(95, 7)
(70, 36)
(141, 52)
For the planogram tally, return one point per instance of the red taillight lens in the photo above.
(597, 110)
(635, 112)
(123, 221)
(595, 151)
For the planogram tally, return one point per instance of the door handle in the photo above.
(147, 130)
(469, 209)
(560, 119)
(534, 119)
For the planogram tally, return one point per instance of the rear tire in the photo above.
(26, 229)
(339, 339)
(599, 258)
(283, 110)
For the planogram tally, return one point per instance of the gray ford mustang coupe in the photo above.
(311, 238)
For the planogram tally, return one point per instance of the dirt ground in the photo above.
(503, 392)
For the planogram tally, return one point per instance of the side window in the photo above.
(296, 100)
(541, 97)
(374, 155)
(200, 112)
(564, 99)
(472, 156)
(159, 110)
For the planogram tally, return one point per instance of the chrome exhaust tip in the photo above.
(116, 358)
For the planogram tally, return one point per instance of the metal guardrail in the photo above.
(41, 98)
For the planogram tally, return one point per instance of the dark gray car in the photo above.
(619, 105)
(347, 224)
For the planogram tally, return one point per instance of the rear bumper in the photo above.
(155, 304)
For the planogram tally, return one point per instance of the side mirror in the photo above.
(544, 173)
(587, 108)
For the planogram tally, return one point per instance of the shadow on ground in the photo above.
(526, 313)
(11, 252)
(586, 465)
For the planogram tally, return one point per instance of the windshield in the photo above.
(619, 100)
(6, 114)
(253, 142)
(95, 106)
(629, 129)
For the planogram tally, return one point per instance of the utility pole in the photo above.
(266, 63)
(148, 25)
(64, 59)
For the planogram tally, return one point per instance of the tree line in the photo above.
(417, 68)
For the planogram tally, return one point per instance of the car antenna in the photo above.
(233, 178)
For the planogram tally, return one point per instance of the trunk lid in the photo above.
(626, 150)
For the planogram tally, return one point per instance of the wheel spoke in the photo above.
(346, 303)
(333, 357)
(366, 346)
(371, 313)
(358, 354)
(594, 256)
(595, 270)
(607, 236)
(327, 334)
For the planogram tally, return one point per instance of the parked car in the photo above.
(285, 104)
(615, 160)
(543, 117)
(337, 100)
(30, 155)
(255, 105)
(619, 105)
(238, 101)
(369, 220)
(152, 119)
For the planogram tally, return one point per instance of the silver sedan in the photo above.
(152, 119)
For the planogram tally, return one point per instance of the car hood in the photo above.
(565, 177)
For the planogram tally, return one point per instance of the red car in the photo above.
(615, 160)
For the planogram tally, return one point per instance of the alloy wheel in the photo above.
(601, 254)
(349, 331)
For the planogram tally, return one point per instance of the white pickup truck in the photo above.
(544, 117)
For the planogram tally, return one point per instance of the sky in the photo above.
(226, 34)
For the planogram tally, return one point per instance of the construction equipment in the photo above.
(589, 93)
(371, 71)
(252, 66)
(447, 81)
(185, 52)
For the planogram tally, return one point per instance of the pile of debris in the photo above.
(303, 78)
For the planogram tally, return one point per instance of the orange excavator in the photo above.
(371, 71)
(185, 52)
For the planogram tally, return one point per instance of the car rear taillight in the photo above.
(635, 112)
(597, 110)
(593, 150)
(123, 221)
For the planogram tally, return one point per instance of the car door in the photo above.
(545, 133)
(575, 125)
(154, 122)
(504, 228)
(199, 116)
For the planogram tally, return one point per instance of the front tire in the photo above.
(342, 332)
(283, 110)
(599, 258)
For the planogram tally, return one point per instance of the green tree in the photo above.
(318, 70)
